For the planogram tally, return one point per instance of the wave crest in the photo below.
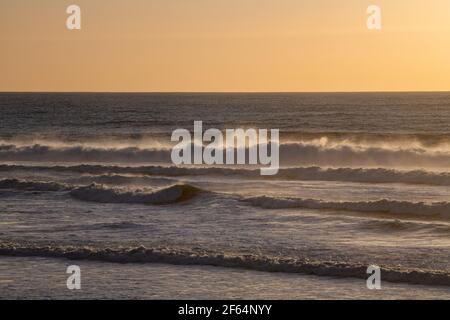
(292, 153)
(32, 185)
(258, 262)
(393, 207)
(80, 153)
(103, 194)
(167, 195)
(362, 175)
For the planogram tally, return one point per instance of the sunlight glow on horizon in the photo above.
(225, 46)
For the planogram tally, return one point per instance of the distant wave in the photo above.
(431, 141)
(363, 175)
(117, 179)
(343, 155)
(32, 185)
(102, 194)
(393, 207)
(79, 153)
(301, 153)
(245, 261)
(159, 140)
(366, 175)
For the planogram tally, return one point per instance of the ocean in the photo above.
(87, 179)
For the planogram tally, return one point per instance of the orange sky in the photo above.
(225, 45)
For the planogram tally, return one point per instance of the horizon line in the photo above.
(223, 92)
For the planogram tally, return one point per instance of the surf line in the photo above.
(241, 147)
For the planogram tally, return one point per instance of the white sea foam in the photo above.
(258, 262)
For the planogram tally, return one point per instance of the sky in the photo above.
(224, 46)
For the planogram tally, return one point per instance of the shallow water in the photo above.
(47, 280)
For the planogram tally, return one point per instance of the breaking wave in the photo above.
(80, 153)
(245, 261)
(293, 153)
(349, 155)
(117, 179)
(393, 207)
(102, 194)
(430, 141)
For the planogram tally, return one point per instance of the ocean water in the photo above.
(87, 179)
